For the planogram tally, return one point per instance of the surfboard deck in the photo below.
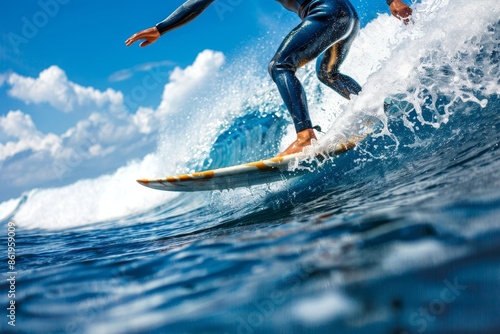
(249, 174)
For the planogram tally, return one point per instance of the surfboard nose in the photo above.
(143, 182)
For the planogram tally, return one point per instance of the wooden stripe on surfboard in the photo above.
(192, 181)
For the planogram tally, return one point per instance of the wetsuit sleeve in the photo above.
(184, 14)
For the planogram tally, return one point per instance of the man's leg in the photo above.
(322, 28)
(327, 67)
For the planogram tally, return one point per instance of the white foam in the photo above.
(415, 255)
(8, 207)
(399, 56)
(320, 309)
(96, 200)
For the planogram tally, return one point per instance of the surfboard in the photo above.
(250, 174)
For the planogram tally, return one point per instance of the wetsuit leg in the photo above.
(326, 22)
(327, 67)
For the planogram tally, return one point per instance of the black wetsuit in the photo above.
(326, 32)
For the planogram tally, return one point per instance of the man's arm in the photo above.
(181, 16)
(400, 10)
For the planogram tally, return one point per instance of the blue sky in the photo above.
(66, 78)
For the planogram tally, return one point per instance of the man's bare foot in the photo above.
(304, 138)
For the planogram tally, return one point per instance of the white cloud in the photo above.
(102, 136)
(183, 82)
(127, 73)
(52, 86)
(98, 151)
(121, 75)
(144, 119)
(182, 86)
(21, 128)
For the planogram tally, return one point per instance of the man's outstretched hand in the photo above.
(150, 35)
(401, 10)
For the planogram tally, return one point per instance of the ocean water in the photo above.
(400, 235)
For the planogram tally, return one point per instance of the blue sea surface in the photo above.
(400, 235)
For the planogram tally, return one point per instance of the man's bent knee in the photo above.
(327, 78)
(322, 76)
(275, 68)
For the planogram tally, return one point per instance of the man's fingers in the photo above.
(149, 35)
(132, 39)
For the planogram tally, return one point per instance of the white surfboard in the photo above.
(249, 174)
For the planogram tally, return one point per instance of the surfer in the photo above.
(326, 32)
